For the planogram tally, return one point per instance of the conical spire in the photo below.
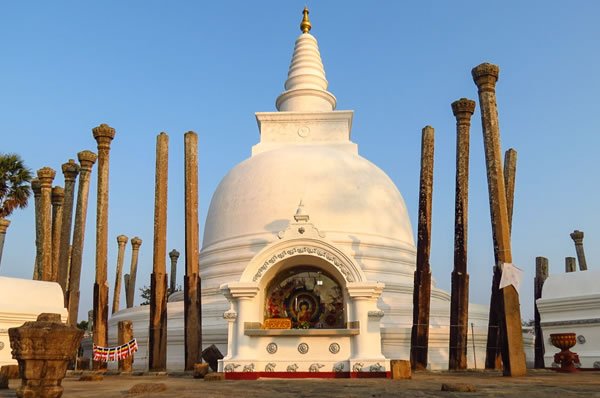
(306, 86)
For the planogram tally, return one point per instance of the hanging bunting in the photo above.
(119, 353)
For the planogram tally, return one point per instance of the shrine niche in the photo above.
(306, 296)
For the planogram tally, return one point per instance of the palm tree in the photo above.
(14, 189)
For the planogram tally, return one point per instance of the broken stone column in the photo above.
(86, 160)
(43, 350)
(103, 134)
(122, 242)
(577, 237)
(130, 278)
(174, 255)
(570, 264)
(70, 171)
(157, 356)
(125, 335)
(4, 223)
(459, 303)
(419, 341)
(541, 274)
(58, 196)
(508, 309)
(46, 176)
(37, 193)
(192, 289)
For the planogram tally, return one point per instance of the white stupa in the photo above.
(307, 234)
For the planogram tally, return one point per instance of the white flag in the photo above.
(511, 275)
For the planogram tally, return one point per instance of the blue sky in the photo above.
(149, 66)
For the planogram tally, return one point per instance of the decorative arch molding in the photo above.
(283, 250)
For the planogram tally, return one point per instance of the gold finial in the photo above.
(305, 24)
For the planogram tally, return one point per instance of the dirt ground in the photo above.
(542, 384)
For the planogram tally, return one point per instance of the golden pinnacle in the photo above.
(305, 24)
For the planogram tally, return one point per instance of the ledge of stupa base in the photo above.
(239, 368)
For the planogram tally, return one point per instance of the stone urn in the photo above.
(566, 358)
(43, 350)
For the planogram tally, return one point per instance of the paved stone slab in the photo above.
(458, 387)
(91, 378)
(145, 388)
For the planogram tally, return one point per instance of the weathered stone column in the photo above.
(459, 304)
(70, 171)
(485, 77)
(125, 336)
(541, 274)
(58, 196)
(103, 134)
(122, 242)
(577, 237)
(510, 171)
(570, 264)
(86, 160)
(419, 341)
(130, 278)
(157, 358)
(36, 187)
(192, 288)
(46, 176)
(4, 223)
(174, 255)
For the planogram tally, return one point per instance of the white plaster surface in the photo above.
(21, 301)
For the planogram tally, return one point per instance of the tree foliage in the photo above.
(14, 184)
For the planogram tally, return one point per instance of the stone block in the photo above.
(3, 382)
(83, 363)
(10, 371)
(145, 388)
(91, 378)
(400, 369)
(212, 355)
(200, 370)
(458, 387)
(214, 377)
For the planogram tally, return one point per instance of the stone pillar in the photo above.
(86, 160)
(459, 304)
(125, 336)
(58, 196)
(366, 346)
(46, 176)
(242, 297)
(70, 171)
(510, 171)
(419, 341)
(122, 242)
(174, 255)
(577, 237)
(130, 278)
(541, 274)
(37, 192)
(485, 77)
(192, 288)
(570, 264)
(103, 134)
(4, 223)
(157, 358)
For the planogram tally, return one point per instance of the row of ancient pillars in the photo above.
(504, 330)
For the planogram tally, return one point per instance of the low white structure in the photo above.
(21, 301)
(570, 303)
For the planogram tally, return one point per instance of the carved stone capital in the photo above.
(58, 195)
(36, 187)
(136, 243)
(174, 254)
(45, 176)
(87, 160)
(577, 236)
(4, 223)
(485, 76)
(230, 315)
(103, 134)
(70, 170)
(122, 240)
(463, 109)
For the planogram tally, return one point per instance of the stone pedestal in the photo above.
(43, 350)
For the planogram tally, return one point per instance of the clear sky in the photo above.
(149, 66)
